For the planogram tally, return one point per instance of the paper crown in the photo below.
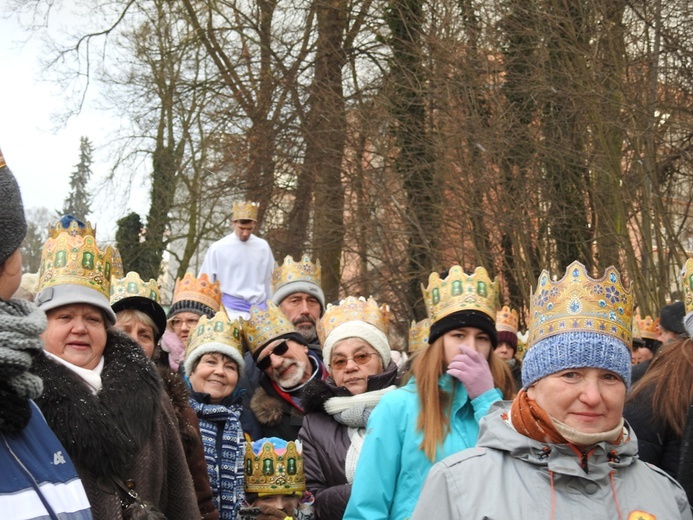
(507, 320)
(132, 285)
(274, 467)
(460, 291)
(418, 334)
(522, 340)
(580, 303)
(646, 327)
(687, 282)
(217, 334)
(76, 259)
(263, 326)
(291, 271)
(353, 309)
(72, 229)
(198, 290)
(245, 210)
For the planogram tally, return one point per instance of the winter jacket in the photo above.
(280, 413)
(509, 476)
(38, 478)
(222, 427)
(326, 442)
(189, 431)
(658, 443)
(685, 473)
(392, 468)
(128, 431)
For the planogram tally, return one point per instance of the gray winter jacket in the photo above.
(510, 476)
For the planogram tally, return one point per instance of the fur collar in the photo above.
(103, 432)
(268, 410)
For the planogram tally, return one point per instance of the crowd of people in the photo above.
(251, 397)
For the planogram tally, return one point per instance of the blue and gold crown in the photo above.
(353, 309)
(263, 326)
(76, 259)
(243, 210)
(580, 303)
(291, 271)
(217, 334)
(132, 285)
(72, 229)
(460, 291)
(274, 467)
(418, 334)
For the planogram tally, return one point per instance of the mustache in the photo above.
(305, 319)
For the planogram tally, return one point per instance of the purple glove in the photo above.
(472, 369)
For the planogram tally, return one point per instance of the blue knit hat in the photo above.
(576, 350)
(579, 322)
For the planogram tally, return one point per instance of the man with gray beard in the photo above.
(286, 363)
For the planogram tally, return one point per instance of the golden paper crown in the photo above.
(687, 282)
(647, 327)
(225, 335)
(198, 290)
(68, 259)
(353, 309)
(522, 341)
(291, 271)
(418, 334)
(72, 229)
(132, 285)
(117, 270)
(263, 326)
(460, 291)
(274, 471)
(245, 210)
(507, 320)
(579, 303)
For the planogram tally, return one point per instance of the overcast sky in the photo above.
(41, 156)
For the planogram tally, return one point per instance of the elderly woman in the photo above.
(102, 397)
(561, 449)
(357, 355)
(214, 363)
(139, 315)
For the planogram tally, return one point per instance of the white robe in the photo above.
(243, 269)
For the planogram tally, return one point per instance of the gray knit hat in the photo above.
(12, 221)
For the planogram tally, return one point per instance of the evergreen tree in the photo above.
(130, 246)
(77, 202)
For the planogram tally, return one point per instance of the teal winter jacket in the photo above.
(392, 468)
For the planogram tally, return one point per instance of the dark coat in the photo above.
(326, 442)
(189, 431)
(127, 431)
(280, 414)
(658, 444)
(685, 473)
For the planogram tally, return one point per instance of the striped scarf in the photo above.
(224, 446)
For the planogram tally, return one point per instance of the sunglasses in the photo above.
(281, 349)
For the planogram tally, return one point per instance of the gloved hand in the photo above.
(272, 513)
(472, 369)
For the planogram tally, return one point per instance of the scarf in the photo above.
(21, 324)
(533, 422)
(353, 412)
(224, 447)
(91, 377)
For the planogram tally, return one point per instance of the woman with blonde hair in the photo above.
(455, 381)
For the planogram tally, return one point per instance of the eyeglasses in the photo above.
(177, 323)
(281, 349)
(360, 359)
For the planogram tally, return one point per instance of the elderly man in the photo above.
(296, 290)
(242, 262)
(286, 363)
